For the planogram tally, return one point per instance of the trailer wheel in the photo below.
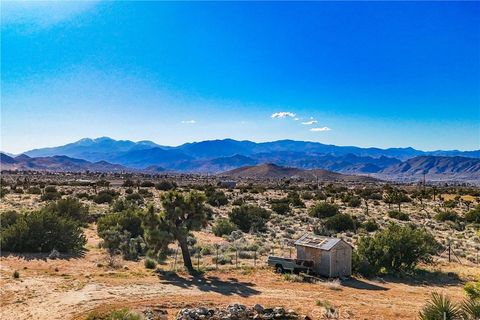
(279, 268)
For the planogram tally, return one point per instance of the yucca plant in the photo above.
(440, 307)
(471, 309)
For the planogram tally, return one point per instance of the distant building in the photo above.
(229, 184)
(332, 257)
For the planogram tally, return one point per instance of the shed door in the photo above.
(340, 263)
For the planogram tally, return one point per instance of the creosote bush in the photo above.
(323, 210)
(402, 216)
(223, 227)
(250, 218)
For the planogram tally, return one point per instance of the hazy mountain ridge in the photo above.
(215, 156)
(56, 164)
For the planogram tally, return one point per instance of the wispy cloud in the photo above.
(189, 121)
(39, 14)
(320, 129)
(283, 114)
(310, 122)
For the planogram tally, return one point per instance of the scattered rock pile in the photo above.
(237, 312)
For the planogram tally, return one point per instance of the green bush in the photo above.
(447, 216)
(370, 225)
(34, 190)
(128, 220)
(122, 314)
(294, 199)
(147, 184)
(216, 198)
(397, 248)
(249, 218)
(135, 198)
(43, 231)
(394, 214)
(340, 222)
(50, 196)
(323, 210)
(280, 208)
(150, 263)
(354, 202)
(104, 196)
(69, 208)
(223, 227)
(8, 218)
(473, 216)
(166, 185)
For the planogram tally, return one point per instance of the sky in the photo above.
(384, 74)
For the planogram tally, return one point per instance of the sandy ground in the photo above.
(69, 288)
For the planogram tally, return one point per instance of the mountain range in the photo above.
(216, 156)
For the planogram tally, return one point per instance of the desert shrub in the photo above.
(447, 216)
(120, 241)
(43, 231)
(362, 266)
(394, 214)
(122, 314)
(166, 185)
(320, 196)
(50, 189)
(294, 199)
(340, 222)
(128, 183)
(280, 208)
(223, 227)
(150, 263)
(370, 225)
(8, 218)
(323, 210)
(3, 192)
(69, 208)
(306, 195)
(34, 190)
(50, 196)
(147, 184)
(128, 220)
(222, 259)
(135, 198)
(145, 193)
(83, 195)
(354, 202)
(397, 248)
(249, 217)
(473, 216)
(440, 307)
(104, 196)
(216, 198)
(238, 201)
(16, 274)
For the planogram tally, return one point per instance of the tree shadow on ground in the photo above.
(362, 285)
(228, 287)
(428, 278)
(42, 255)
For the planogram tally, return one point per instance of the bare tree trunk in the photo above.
(187, 261)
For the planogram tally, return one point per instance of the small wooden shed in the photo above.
(332, 257)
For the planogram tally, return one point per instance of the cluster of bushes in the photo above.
(223, 227)
(250, 218)
(50, 193)
(394, 249)
(105, 196)
(166, 185)
(473, 216)
(216, 198)
(398, 215)
(56, 226)
(334, 220)
(447, 216)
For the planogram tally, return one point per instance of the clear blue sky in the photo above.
(348, 73)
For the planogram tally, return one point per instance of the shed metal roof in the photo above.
(318, 242)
